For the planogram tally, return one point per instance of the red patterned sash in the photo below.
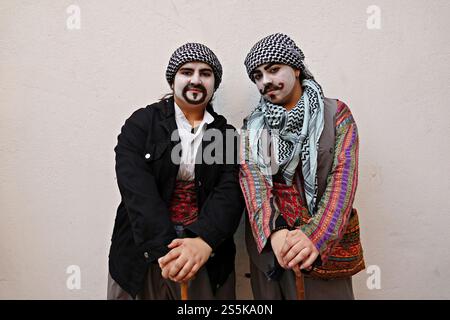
(183, 206)
(289, 203)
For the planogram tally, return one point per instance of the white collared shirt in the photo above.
(189, 142)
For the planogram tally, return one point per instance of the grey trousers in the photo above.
(315, 289)
(158, 288)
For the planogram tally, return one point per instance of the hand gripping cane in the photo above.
(184, 285)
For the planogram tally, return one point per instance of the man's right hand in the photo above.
(277, 240)
(184, 259)
(299, 250)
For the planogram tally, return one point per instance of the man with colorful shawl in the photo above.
(180, 206)
(299, 172)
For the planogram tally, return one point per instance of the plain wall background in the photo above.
(64, 94)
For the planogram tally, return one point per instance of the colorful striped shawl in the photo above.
(329, 226)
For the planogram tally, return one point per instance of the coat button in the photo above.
(146, 255)
(331, 150)
(147, 156)
(199, 183)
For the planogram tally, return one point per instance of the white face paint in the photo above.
(194, 84)
(278, 83)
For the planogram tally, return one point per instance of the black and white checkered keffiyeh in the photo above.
(276, 48)
(294, 135)
(286, 121)
(191, 52)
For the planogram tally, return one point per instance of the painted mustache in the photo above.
(198, 87)
(271, 87)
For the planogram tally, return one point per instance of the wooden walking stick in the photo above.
(184, 291)
(300, 286)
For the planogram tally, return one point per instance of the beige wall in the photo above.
(64, 95)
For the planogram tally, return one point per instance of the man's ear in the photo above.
(297, 73)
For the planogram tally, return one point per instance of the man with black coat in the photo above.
(181, 201)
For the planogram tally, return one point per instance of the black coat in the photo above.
(146, 177)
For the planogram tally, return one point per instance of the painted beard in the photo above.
(193, 97)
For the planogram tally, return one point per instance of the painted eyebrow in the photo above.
(265, 68)
(191, 69)
(270, 65)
